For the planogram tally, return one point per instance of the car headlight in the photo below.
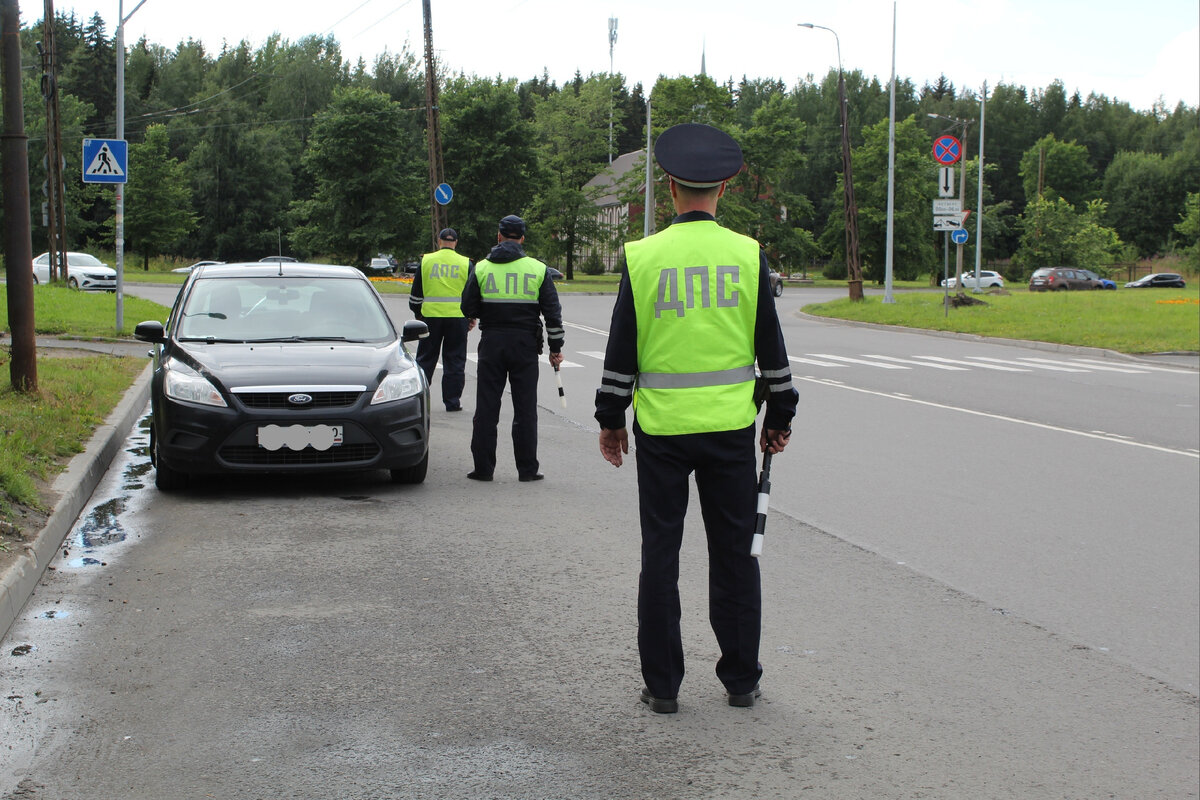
(398, 386)
(181, 382)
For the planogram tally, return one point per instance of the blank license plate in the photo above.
(298, 437)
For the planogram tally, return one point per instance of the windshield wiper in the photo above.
(303, 339)
(211, 340)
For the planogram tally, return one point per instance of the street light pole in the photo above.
(119, 201)
(850, 210)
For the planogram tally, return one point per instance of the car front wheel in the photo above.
(73, 283)
(414, 474)
(165, 478)
(779, 289)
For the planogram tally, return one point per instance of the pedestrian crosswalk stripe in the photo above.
(997, 367)
(920, 363)
(856, 361)
(1100, 367)
(1024, 362)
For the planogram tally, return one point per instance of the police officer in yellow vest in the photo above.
(509, 294)
(693, 314)
(436, 298)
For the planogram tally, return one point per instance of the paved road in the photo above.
(350, 638)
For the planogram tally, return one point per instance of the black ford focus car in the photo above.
(284, 368)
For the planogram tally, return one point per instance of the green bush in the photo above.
(592, 265)
(835, 271)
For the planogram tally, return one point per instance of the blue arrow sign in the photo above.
(947, 150)
(959, 235)
(443, 194)
(105, 161)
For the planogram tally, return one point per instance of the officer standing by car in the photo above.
(436, 298)
(694, 312)
(509, 293)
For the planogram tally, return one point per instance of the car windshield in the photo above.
(83, 260)
(275, 309)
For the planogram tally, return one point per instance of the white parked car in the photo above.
(83, 272)
(987, 280)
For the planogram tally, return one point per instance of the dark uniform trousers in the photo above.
(506, 356)
(724, 464)
(447, 336)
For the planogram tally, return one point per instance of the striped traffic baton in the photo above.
(764, 498)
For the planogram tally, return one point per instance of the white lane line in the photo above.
(917, 363)
(1150, 367)
(856, 361)
(596, 354)
(1097, 367)
(1025, 362)
(579, 327)
(815, 363)
(1041, 425)
(974, 364)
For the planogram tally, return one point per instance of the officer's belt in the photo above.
(695, 380)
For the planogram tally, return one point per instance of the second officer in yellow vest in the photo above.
(510, 293)
(436, 298)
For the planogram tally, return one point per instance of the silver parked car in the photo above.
(83, 272)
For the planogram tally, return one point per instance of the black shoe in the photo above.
(455, 407)
(660, 705)
(537, 476)
(479, 476)
(745, 700)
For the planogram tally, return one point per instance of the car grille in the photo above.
(274, 400)
(251, 455)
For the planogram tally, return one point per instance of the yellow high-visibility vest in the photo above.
(695, 297)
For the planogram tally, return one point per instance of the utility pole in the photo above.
(612, 41)
(55, 217)
(433, 127)
(14, 169)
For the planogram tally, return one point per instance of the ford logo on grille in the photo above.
(300, 399)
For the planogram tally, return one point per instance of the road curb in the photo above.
(73, 487)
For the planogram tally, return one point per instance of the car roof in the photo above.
(260, 269)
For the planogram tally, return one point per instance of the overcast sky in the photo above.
(1138, 52)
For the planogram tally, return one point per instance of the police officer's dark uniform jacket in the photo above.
(693, 314)
(436, 298)
(510, 293)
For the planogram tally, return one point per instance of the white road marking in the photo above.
(971, 364)
(856, 361)
(799, 360)
(919, 363)
(1002, 418)
(1150, 367)
(1099, 367)
(1025, 362)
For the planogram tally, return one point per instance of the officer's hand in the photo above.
(556, 359)
(613, 444)
(470, 324)
(773, 440)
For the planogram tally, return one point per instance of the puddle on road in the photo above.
(101, 526)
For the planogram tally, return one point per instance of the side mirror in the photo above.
(151, 331)
(413, 329)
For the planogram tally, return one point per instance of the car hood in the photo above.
(306, 363)
(100, 269)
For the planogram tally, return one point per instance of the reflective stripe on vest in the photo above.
(517, 281)
(443, 277)
(695, 296)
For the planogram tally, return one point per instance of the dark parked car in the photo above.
(284, 368)
(776, 284)
(1167, 279)
(1056, 279)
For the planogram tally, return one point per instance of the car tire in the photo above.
(35, 280)
(414, 474)
(73, 282)
(779, 289)
(165, 478)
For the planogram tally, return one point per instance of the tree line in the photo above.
(289, 147)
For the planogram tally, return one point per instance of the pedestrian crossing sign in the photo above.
(105, 160)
